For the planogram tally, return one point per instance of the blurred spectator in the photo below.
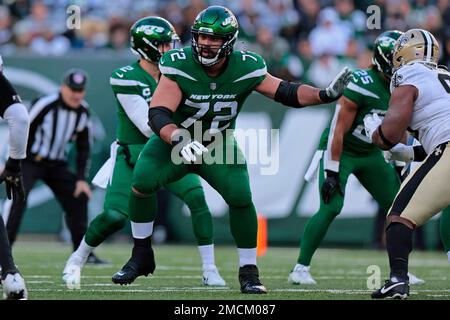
(329, 37)
(353, 20)
(118, 36)
(41, 32)
(94, 33)
(19, 8)
(424, 16)
(5, 25)
(308, 11)
(397, 11)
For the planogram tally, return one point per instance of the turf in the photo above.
(340, 273)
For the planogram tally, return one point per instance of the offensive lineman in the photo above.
(202, 90)
(16, 116)
(420, 104)
(133, 87)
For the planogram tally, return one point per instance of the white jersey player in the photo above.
(16, 116)
(420, 102)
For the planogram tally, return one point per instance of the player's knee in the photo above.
(195, 199)
(144, 190)
(239, 199)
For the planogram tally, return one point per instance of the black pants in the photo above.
(62, 182)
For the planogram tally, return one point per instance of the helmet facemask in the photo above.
(222, 51)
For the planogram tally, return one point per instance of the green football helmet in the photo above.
(383, 51)
(148, 33)
(215, 21)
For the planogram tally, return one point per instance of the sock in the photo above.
(448, 255)
(84, 250)
(207, 256)
(399, 245)
(247, 256)
(141, 230)
(444, 229)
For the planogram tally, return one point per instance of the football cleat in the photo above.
(14, 287)
(392, 290)
(249, 280)
(72, 271)
(413, 280)
(211, 277)
(141, 263)
(301, 275)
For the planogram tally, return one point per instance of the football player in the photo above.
(16, 116)
(419, 103)
(202, 90)
(346, 150)
(133, 86)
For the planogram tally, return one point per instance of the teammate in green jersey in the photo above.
(346, 150)
(193, 113)
(133, 86)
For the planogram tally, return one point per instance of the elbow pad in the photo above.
(159, 117)
(287, 94)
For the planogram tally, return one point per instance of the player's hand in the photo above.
(330, 186)
(191, 149)
(371, 124)
(400, 152)
(13, 180)
(82, 187)
(337, 86)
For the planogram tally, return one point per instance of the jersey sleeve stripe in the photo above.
(364, 92)
(174, 71)
(254, 74)
(118, 82)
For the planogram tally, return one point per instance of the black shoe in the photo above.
(392, 290)
(93, 259)
(141, 263)
(249, 280)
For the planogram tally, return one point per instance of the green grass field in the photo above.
(341, 274)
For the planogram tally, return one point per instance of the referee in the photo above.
(56, 120)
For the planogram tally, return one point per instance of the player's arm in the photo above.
(345, 118)
(298, 95)
(16, 116)
(164, 103)
(346, 115)
(395, 123)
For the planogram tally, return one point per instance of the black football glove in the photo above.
(13, 180)
(330, 186)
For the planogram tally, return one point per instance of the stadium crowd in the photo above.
(308, 40)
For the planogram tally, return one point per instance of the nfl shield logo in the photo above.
(212, 85)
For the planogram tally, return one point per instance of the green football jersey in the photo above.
(370, 91)
(212, 102)
(131, 80)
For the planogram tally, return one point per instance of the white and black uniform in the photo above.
(427, 191)
(16, 116)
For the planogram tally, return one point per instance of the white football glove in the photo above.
(337, 86)
(189, 151)
(400, 152)
(371, 123)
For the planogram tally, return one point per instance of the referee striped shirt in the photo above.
(53, 126)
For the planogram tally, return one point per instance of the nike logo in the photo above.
(120, 273)
(119, 75)
(384, 290)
